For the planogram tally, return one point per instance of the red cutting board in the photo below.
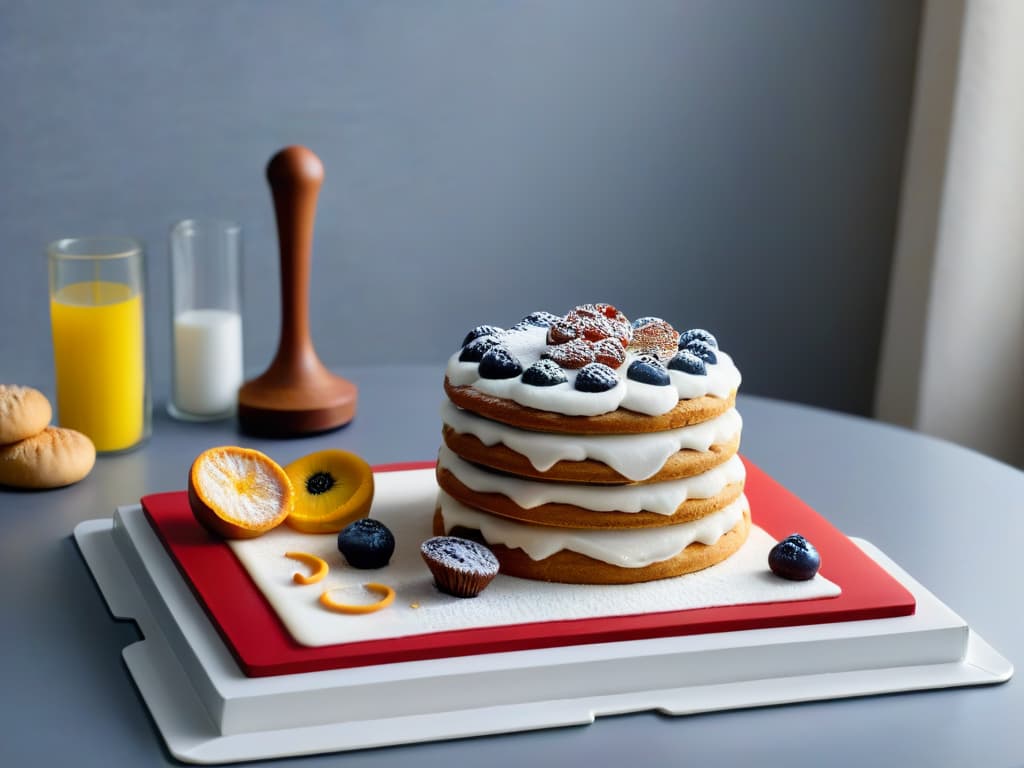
(262, 646)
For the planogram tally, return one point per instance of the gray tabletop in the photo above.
(950, 517)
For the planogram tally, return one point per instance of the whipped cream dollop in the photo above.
(529, 344)
(635, 457)
(662, 498)
(631, 548)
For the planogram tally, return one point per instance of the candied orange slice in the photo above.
(239, 493)
(332, 488)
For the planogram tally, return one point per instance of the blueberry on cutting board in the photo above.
(366, 543)
(794, 558)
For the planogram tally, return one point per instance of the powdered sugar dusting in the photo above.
(529, 344)
(404, 501)
(460, 555)
(239, 485)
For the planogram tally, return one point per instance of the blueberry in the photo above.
(642, 321)
(481, 330)
(596, 377)
(687, 362)
(474, 351)
(544, 373)
(697, 334)
(703, 350)
(648, 371)
(366, 543)
(540, 319)
(499, 363)
(794, 558)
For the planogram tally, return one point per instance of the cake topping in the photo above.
(539, 319)
(585, 336)
(696, 333)
(641, 321)
(562, 331)
(687, 362)
(481, 330)
(592, 322)
(648, 370)
(595, 328)
(655, 337)
(609, 352)
(794, 558)
(596, 377)
(474, 351)
(600, 321)
(574, 354)
(544, 373)
(499, 363)
(703, 350)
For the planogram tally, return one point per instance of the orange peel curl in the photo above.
(319, 566)
(388, 597)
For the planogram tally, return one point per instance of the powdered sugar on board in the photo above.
(404, 501)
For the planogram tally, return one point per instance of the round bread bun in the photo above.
(23, 412)
(618, 422)
(53, 458)
(573, 568)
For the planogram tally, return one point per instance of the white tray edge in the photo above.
(191, 734)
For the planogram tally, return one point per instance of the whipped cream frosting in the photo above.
(529, 344)
(661, 498)
(635, 457)
(633, 548)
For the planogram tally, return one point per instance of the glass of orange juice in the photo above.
(99, 339)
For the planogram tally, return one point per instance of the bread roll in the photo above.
(23, 412)
(50, 459)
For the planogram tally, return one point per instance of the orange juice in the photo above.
(99, 356)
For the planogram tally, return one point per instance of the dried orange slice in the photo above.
(332, 488)
(239, 493)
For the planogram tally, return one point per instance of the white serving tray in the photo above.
(209, 712)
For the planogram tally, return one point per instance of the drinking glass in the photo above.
(97, 316)
(206, 307)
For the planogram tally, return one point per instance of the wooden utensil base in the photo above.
(265, 419)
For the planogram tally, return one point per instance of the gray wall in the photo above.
(733, 165)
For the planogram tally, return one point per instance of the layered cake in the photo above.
(590, 449)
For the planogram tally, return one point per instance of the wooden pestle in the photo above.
(297, 395)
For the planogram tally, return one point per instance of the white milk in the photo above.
(208, 361)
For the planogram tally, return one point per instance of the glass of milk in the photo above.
(206, 307)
